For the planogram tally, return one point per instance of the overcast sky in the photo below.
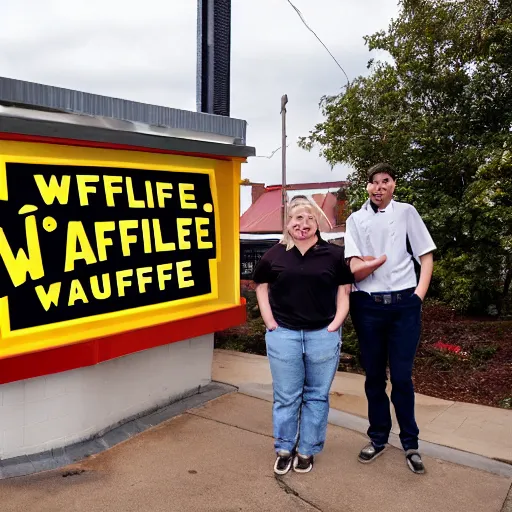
(146, 51)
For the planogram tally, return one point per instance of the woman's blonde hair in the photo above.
(296, 203)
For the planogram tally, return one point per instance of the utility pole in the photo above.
(284, 101)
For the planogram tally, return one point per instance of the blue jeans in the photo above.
(388, 331)
(303, 365)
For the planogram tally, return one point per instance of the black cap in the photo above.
(381, 167)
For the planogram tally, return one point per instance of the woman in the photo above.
(303, 286)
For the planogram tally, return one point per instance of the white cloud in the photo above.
(146, 51)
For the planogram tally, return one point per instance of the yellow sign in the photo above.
(104, 240)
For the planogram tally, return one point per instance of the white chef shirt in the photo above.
(370, 233)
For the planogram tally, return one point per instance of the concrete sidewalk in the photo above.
(477, 429)
(219, 457)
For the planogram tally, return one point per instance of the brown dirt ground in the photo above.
(482, 376)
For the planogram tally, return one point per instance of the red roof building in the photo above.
(264, 214)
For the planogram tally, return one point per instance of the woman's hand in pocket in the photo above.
(272, 326)
(333, 326)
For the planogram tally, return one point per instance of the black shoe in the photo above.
(283, 463)
(303, 464)
(414, 461)
(370, 452)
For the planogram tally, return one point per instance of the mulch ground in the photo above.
(476, 366)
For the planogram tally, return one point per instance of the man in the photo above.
(386, 307)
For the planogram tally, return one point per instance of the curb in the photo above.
(59, 457)
(358, 424)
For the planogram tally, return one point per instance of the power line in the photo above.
(271, 154)
(301, 16)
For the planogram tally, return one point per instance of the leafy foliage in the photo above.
(439, 110)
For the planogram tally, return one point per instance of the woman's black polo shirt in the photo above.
(302, 289)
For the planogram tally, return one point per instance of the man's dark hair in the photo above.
(381, 167)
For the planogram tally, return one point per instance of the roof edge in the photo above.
(55, 131)
(308, 186)
(19, 92)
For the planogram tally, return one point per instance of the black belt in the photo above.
(391, 297)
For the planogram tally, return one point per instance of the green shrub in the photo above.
(481, 354)
(506, 403)
(350, 344)
(253, 310)
(441, 360)
(249, 338)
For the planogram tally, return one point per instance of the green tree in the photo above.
(440, 110)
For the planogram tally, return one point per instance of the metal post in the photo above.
(284, 101)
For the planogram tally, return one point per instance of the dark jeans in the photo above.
(388, 331)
